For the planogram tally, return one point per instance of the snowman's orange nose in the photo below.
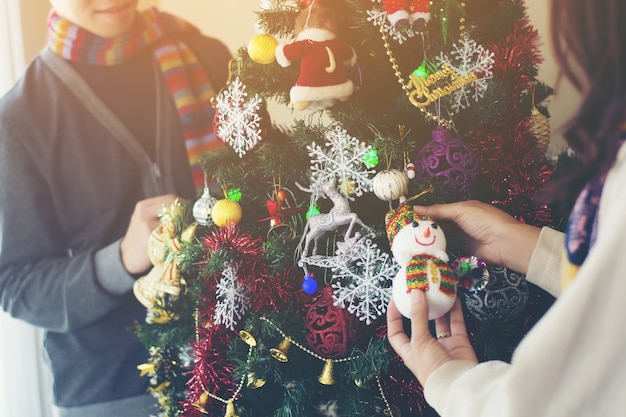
(427, 232)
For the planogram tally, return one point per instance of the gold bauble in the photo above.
(226, 212)
(262, 48)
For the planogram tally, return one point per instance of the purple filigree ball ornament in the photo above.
(498, 294)
(447, 163)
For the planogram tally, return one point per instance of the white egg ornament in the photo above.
(419, 245)
(390, 185)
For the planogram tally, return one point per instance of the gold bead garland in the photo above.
(410, 86)
(388, 409)
(230, 410)
(328, 363)
(325, 378)
(428, 114)
(304, 348)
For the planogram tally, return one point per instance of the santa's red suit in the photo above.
(323, 61)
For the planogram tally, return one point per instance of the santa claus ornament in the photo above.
(323, 60)
(419, 245)
(408, 14)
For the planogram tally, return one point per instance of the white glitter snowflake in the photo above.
(238, 120)
(468, 57)
(232, 298)
(342, 160)
(378, 17)
(363, 284)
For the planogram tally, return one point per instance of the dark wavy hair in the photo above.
(589, 43)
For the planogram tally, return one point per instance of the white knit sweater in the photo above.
(573, 362)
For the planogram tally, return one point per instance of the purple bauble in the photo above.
(446, 163)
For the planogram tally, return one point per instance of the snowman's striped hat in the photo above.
(397, 219)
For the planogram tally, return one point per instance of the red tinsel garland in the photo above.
(511, 162)
(212, 372)
(402, 389)
(270, 291)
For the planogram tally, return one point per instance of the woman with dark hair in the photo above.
(571, 363)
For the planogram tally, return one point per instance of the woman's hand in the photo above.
(488, 233)
(422, 353)
(134, 245)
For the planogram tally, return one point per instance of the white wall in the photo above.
(564, 103)
(231, 21)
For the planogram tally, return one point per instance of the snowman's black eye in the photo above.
(434, 225)
(415, 224)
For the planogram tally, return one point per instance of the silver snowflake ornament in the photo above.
(238, 122)
(232, 298)
(467, 57)
(362, 279)
(341, 159)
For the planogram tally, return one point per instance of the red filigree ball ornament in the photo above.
(329, 328)
(447, 163)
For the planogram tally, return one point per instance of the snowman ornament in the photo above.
(419, 245)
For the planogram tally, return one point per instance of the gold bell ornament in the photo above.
(247, 337)
(327, 377)
(164, 277)
(363, 383)
(393, 411)
(280, 352)
(230, 410)
(201, 402)
(254, 382)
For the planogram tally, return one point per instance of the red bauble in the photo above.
(330, 329)
(281, 195)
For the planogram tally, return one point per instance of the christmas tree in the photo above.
(268, 294)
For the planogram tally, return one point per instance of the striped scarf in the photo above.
(422, 267)
(187, 80)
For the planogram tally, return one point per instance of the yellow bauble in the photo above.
(226, 212)
(261, 48)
